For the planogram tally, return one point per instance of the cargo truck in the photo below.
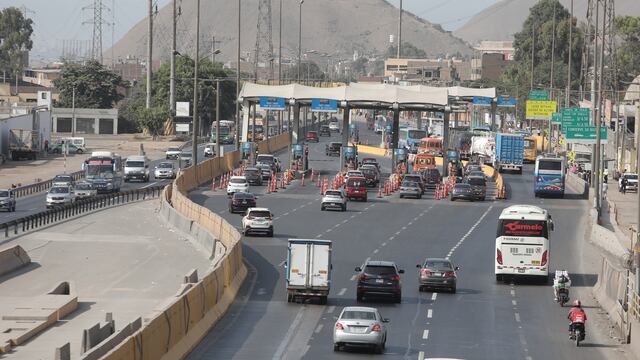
(509, 152)
(308, 269)
(23, 144)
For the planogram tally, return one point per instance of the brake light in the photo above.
(450, 273)
(499, 256)
(539, 179)
(364, 277)
(544, 258)
(425, 272)
(395, 278)
(339, 326)
(269, 218)
(250, 218)
(376, 328)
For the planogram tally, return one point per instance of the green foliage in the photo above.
(96, 86)
(152, 118)
(309, 71)
(628, 29)
(408, 51)
(15, 35)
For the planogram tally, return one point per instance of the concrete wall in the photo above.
(12, 259)
(577, 183)
(179, 327)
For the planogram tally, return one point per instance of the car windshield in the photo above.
(409, 184)
(368, 172)
(83, 186)
(333, 193)
(358, 315)
(173, 149)
(380, 270)
(312, 133)
(260, 213)
(462, 187)
(238, 181)
(165, 166)
(59, 190)
(335, 145)
(632, 177)
(438, 265)
(136, 164)
(265, 159)
(412, 177)
(251, 172)
(185, 155)
(4, 194)
(62, 179)
(476, 181)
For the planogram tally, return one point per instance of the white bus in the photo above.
(522, 242)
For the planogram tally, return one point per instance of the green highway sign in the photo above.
(584, 134)
(538, 95)
(575, 117)
(556, 118)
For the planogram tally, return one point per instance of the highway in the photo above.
(483, 320)
(35, 203)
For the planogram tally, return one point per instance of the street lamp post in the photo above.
(238, 84)
(280, 46)
(217, 117)
(399, 30)
(73, 111)
(196, 125)
(300, 40)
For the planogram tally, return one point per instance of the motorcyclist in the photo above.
(561, 281)
(576, 315)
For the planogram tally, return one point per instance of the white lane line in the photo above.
(469, 232)
(397, 232)
(353, 277)
(328, 230)
(310, 203)
(514, 302)
(352, 216)
(421, 355)
(384, 244)
(319, 328)
(336, 225)
(342, 291)
(345, 221)
(404, 228)
(513, 293)
(283, 345)
(367, 259)
(375, 251)
(517, 317)
(392, 237)
(331, 309)
(429, 314)
(318, 236)
(434, 296)
(425, 334)
(146, 186)
(285, 214)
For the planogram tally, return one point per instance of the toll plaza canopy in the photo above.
(360, 95)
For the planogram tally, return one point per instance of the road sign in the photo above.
(182, 108)
(505, 101)
(574, 117)
(272, 103)
(540, 95)
(584, 134)
(540, 110)
(556, 118)
(324, 105)
(482, 100)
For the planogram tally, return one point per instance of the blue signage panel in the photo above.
(389, 128)
(324, 105)
(481, 100)
(272, 103)
(505, 101)
(349, 150)
(400, 151)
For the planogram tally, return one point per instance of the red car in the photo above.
(312, 136)
(356, 188)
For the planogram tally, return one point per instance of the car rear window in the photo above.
(333, 193)
(4, 194)
(265, 159)
(260, 214)
(78, 187)
(415, 178)
(355, 183)
(380, 270)
(63, 178)
(243, 196)
(409, 184)
(477, 181)
(237, 181)
(462, 186)
(438, 265)
(358, 315)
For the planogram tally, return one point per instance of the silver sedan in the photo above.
(360, 326)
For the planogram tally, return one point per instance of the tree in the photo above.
(309, 71)
(152, 119)
(95, 86)
(408, 51)
(628, 29)
(15, 39)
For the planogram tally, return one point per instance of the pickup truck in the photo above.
(308, 269)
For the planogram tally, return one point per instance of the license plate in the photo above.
(437, 274)
(379, 281)
(358, 329)
(244, 202)
(535, 262)
(521, 271)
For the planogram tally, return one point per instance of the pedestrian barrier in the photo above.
(41, 186)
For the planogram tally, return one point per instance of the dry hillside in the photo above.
(503, 19)
(332, 26)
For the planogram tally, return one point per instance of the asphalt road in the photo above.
(33, 204)
(483, 320)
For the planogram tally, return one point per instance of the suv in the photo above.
(8, 200)
(370, 174)
(258, 220)
(632, 182)
(431, 178)
(478, 186)
(60, 195)
(136, 167)
(334, 199)
(370, 161)
(325, 131)
(332, 148)
(269, 160)
(356, 188)
(312, 136)
(85, 190)
(63, 180)
(379, 278)
(241, 201)
(253, 175)
(416, 178)
(172, 153)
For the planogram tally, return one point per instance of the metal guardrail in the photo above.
(44, 218)
(42, 185)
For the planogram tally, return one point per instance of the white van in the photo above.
(136, 167)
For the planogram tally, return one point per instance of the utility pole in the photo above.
(599, 164)
(280, 45)
(172, 75)
(593, 90)
(264, 40)
(533, 53)
(149, 51)
(399, 31)
(553, 58)
(300, 41)
(73, 111)
(217, 117)
(238, 83)
(196, 122)
(567, 101)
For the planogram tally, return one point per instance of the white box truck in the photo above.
(308, 272)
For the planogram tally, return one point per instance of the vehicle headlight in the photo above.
(109, 185)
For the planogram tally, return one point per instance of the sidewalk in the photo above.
(123, 260)
(48, 166)
(623, 211)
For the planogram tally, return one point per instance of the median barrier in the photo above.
(175, 329)
(577, 183)
(12, 259)
(41, 186)
(372, 150)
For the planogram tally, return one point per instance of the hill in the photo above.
(503, 19)
(336, 27)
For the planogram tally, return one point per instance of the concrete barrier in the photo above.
(97, 333)
(175, 329)
(116, 338)
(577, 183)
(12, 259)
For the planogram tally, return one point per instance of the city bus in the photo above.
(226, 137)
(549, 176)
(430, 145)
(409, 138)
(104, 170)
(522, 242)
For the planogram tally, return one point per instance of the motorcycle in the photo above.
(577, 332)
(563, 296)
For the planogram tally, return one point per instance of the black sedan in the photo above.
(241, 201)
(462, 191)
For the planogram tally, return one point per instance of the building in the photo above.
(497, 47)
(85, 121)
(491, 59)
(41, 77)
(436, 71)
(25, 92)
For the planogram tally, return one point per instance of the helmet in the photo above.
(577, 303)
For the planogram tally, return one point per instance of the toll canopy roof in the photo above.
(366, 95)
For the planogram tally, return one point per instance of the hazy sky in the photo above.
(60, 20)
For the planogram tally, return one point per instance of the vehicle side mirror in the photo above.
(400, 271)
(358, 269)
(146, 166)
(551, 226)
(456, 268)
(384, 320)
(419, 266)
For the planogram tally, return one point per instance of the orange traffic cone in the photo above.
(302, 180)
(379, 192)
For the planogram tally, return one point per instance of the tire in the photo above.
(359, 297)
(401, 196)
(13, 208)
(270, 234)
(344, 207)
(420, 289)
(126, 180)
(245, 232)
(499, 278)
(365, 199)
(398, 299)
(453, 199)
(79, 151)
(323, 300)
(482, 199)
(419, 196)
(322, 208)
(453, 290)
(289, 298)
(578, 336)
(378, 349)
(336, 347)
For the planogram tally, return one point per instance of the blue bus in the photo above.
(549, 176)
(409, 138)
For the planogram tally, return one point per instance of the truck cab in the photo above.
(136, 168)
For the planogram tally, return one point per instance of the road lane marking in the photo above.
(344, 221)
(331, 309)
(146, 186)
(384, 244)
(283, 344)
(353, 277)
(513, 293)
(318, 236)
(319, 328)
(425, 334)
(285, 214)
(514, 302)
(468, 232)
(342, 291)
(434, 296)
(328, 230)
(282, 263)
(429, 314)
(421, 355)
(375, 251)
(517, 317)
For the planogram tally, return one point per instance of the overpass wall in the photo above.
(175, 330)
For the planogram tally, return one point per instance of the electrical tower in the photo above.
(263, 52)
(97, 21)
